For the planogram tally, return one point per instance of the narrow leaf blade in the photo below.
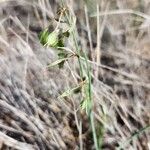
(70, 92)
(57, 62)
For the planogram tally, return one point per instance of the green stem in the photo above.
(122, 145)
(94, 131)
(75, 42)
(81, 66)
(90, 99)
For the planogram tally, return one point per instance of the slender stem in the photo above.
(75, 42)
(94, 131)
(122, 145)
(81, 67)
(91, 117)
(78, 52)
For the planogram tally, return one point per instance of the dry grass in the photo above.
(117, 42)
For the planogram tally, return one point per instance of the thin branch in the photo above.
(123, 11)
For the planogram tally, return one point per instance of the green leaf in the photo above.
(86, 105)
(100, 134)
(62, 55)
(60, 43)
(70, 91)
(52, 39)
(43, 36)
(66, 34)
(57, 62)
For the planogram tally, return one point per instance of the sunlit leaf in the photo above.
(52, 39)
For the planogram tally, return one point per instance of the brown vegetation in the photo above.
(32, 116)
